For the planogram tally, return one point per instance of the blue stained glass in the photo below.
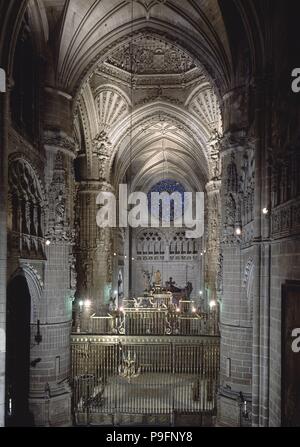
(169, 186)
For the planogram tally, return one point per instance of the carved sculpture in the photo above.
(157, 277)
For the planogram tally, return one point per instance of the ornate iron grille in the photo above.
(138, 376)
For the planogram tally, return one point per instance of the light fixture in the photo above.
(80, 303)
(121, 309)
(125, 257)
(87, 303)
(48, 242)
(116, 292)
(194, 310)
(201, 293)
(35, 362)
(238, 231)
(243, 406)
(133, 259)
(265, 211)
(204, 251)
(177, 309)
(212, 304)
(201, 254)
(115, 254)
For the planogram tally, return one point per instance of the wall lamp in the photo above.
(35, 362)
(243, 406)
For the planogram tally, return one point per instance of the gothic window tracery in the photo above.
(27, 208)
(168, 186)
(150, 243)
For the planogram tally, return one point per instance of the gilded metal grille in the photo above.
(150, 375)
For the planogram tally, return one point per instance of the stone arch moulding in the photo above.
(35, 287)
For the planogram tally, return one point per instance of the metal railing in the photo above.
(143, 375)
(153, 318)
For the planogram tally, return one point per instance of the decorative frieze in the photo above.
(285, 219)
(59, 140)
(150, 56)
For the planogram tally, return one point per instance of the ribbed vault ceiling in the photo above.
(145, 77)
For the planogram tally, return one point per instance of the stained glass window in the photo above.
(169, 186)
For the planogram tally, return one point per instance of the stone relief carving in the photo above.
(219, 279)
(150, 56)
(232, 176)
(60, 208)
(285, 176)
(58, 218)
(230, 211)
(285, 219)
(59, 140)
(247, 187)
(214, 155)
(102, 150)
(247, 271)
(73, 273)
(205, 105)
(111, 107)
(231, 199)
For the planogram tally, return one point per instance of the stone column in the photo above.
(213, 238)
(50, 394)
(126, 263)
(235, 320)
(261, 297)
(94, 248)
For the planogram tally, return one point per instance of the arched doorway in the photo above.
(18, 353)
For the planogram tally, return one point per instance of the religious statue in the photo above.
(147, 281)
(73, 273)
(189, 289)
(170, 284)
(112, 303)
(60, 207)
(157, 277)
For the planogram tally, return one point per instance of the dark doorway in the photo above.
(18, 353)
(290, 356)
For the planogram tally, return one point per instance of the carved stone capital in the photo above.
(102, 146)
(95, 186)
(105, 186)
(213, 186)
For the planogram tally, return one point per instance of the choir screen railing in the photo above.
(138, 377)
